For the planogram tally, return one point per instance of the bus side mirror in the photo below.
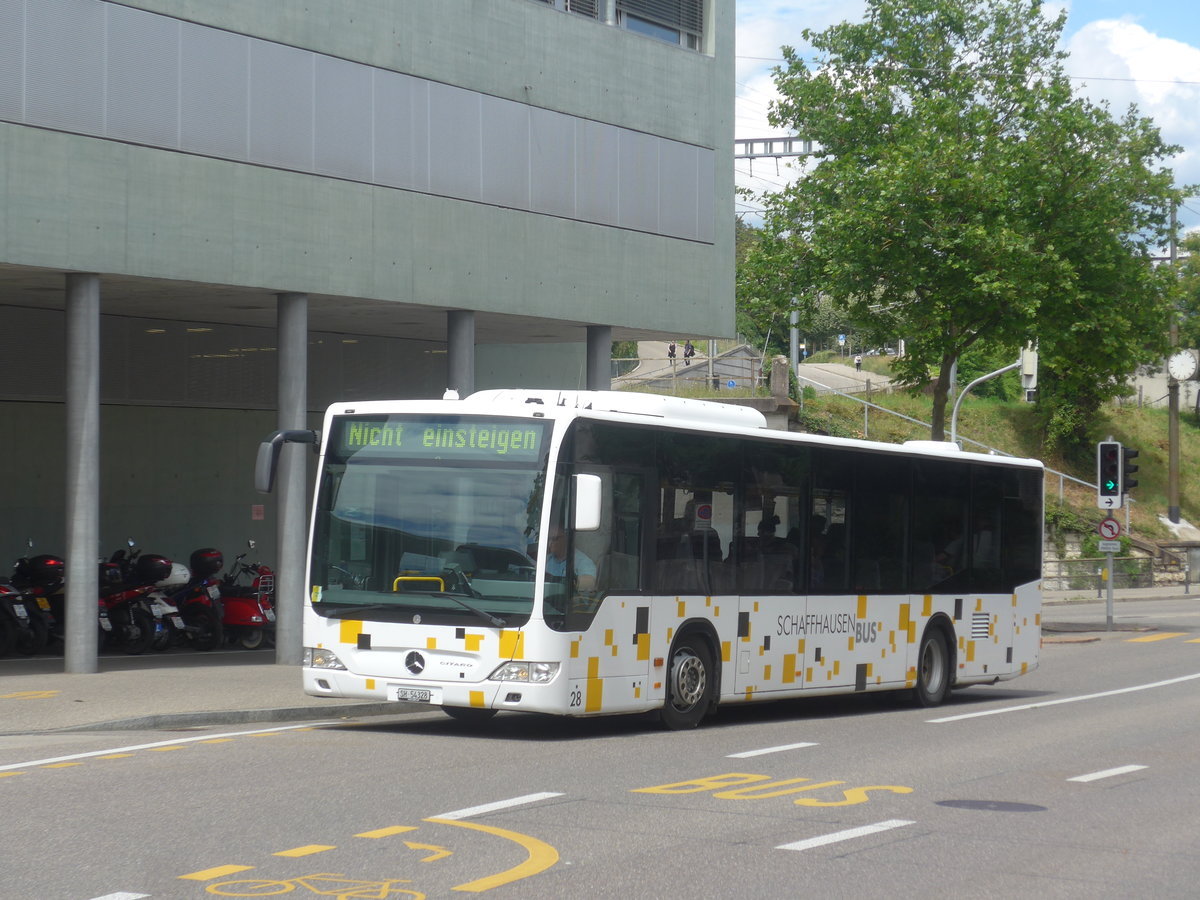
(588, 496)
(268, 455)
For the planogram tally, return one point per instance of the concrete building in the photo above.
(218, 216)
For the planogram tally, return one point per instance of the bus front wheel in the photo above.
(690, 682)
(933, 669)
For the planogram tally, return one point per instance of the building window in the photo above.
(673, 21)
(579, 7)
(679, 22)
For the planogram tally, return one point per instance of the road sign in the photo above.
(1109, 529)
(1109, 546)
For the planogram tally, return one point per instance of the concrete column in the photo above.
(460, 351)
(83, 472)
(599, 358)
(292, 482)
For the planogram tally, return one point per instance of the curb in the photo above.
(237, 717)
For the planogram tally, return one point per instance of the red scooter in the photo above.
(199, 600)
(248, 608)
(126, 581)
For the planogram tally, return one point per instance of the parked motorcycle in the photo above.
(248, 603)
(39, 581)
(126, 581)
(198, 601)
(22, 625)
(169, 627)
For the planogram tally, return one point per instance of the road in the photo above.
(1077, 780)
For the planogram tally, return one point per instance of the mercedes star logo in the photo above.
(415, 662)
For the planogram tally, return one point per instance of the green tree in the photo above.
(964, 194)
(1188, 273)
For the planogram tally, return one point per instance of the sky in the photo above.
(1122, 51)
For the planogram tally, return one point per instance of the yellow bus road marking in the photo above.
(307, 850)
(61, 765)
(164, 749)
(30, 695)
(10, 774)
(215, 872)
(1150, 638)
(541, 857)
(1193, 641)
(115, 756)
(387, 832)
(438, 852)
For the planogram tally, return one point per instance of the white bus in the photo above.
(590, 553)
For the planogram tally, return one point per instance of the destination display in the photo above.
(438, 437)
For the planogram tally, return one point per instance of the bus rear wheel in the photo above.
(690, 683)
(933, 669)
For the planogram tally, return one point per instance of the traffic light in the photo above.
(1108, 469)
(1127, 469)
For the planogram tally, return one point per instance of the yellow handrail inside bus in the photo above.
(399, 578)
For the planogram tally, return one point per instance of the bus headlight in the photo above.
(319, 658)
(528, 672)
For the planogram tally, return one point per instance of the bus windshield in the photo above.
(428, 519)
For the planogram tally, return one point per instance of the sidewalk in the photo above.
(159, 692)
(231, 688)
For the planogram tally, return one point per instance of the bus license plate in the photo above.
(417, 695)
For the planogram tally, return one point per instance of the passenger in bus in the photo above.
(556, 562)
(781, 560)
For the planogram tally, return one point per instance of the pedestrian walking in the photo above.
(688, 352)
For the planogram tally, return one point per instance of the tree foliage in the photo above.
(963, 193)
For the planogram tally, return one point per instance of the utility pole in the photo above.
(1173, 408)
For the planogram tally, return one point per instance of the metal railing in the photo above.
(1089, 574)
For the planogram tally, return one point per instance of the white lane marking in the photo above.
(1006, 709)
(1107, 773)
(846, 835)
(767, 750)
(187, 740)
(121, 895)
(491, 807)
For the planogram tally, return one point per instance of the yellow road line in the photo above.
(307, 850)
(216, 872)
(541, 856)
(387, 832)
(1150, 638)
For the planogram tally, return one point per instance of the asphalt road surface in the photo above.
(1077, 780)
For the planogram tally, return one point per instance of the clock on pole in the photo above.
(1182, 365)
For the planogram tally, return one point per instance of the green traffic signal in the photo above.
(1108, 468)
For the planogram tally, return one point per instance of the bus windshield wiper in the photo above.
(349, 609)
(486, 616)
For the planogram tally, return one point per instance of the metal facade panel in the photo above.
(281, 106)
(505, 162)
(552, 162)
(12, 59)
(706, 187)
(142, 88)
(455, 142)
(678, 171)
(597, 168)
(638, 191)
(64, 65)
(214, 108)
(343, 119)
(401, 128)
